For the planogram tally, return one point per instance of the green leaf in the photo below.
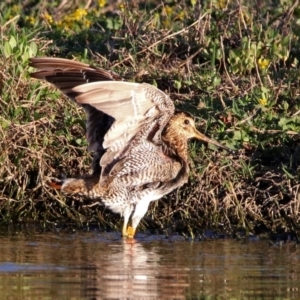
(25, 57)
(7, 49)
(282, 122)
(12, 42)
(286, 40)
(78, 141)
(33, 49)
(288, 174)
(285, 105)
(231, 54)
(4, 123)
(188, 82)
(216, 81)
(177, 84)
(237, 135)
(264, 90)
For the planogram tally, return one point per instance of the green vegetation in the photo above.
(233, 64)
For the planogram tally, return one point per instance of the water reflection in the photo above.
(104, 266)
(132, 269)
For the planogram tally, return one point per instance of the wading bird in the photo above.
(139, 141)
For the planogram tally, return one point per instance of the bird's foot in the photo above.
(130, 232)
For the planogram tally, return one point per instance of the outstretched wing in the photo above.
(140, 111)
(65, 75)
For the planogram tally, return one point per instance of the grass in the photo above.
(234, 65)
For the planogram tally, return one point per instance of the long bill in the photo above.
(202, 137)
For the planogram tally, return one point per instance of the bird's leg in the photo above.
(127, 214)
(140, 210)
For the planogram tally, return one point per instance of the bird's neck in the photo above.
(175, 142)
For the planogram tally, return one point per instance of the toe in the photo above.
(130, 232)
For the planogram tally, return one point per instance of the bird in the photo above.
(139, 140)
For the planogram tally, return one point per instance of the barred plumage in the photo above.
(139, 142)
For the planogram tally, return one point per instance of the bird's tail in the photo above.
(55, 184)
(84, 186)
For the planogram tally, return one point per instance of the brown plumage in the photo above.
(139, 142)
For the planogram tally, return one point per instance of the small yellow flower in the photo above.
(59, 24)
(68, 20)
(78, 14)
(180, 16)
(168, 10)
(262, 101)
(221, 4)
(63, 25)
(102, 3)
(263, 63)
(122, 7)
(166, 23)
(30, 20)
(244, 15)
(15, 9)
(48, 18)
(87, 23)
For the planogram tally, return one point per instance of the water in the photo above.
(93, 265)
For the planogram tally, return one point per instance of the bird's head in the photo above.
(184, 125)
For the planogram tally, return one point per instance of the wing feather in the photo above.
(135, 108)
(65, 75)
(133, 112)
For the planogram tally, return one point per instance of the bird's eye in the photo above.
(186, 122)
